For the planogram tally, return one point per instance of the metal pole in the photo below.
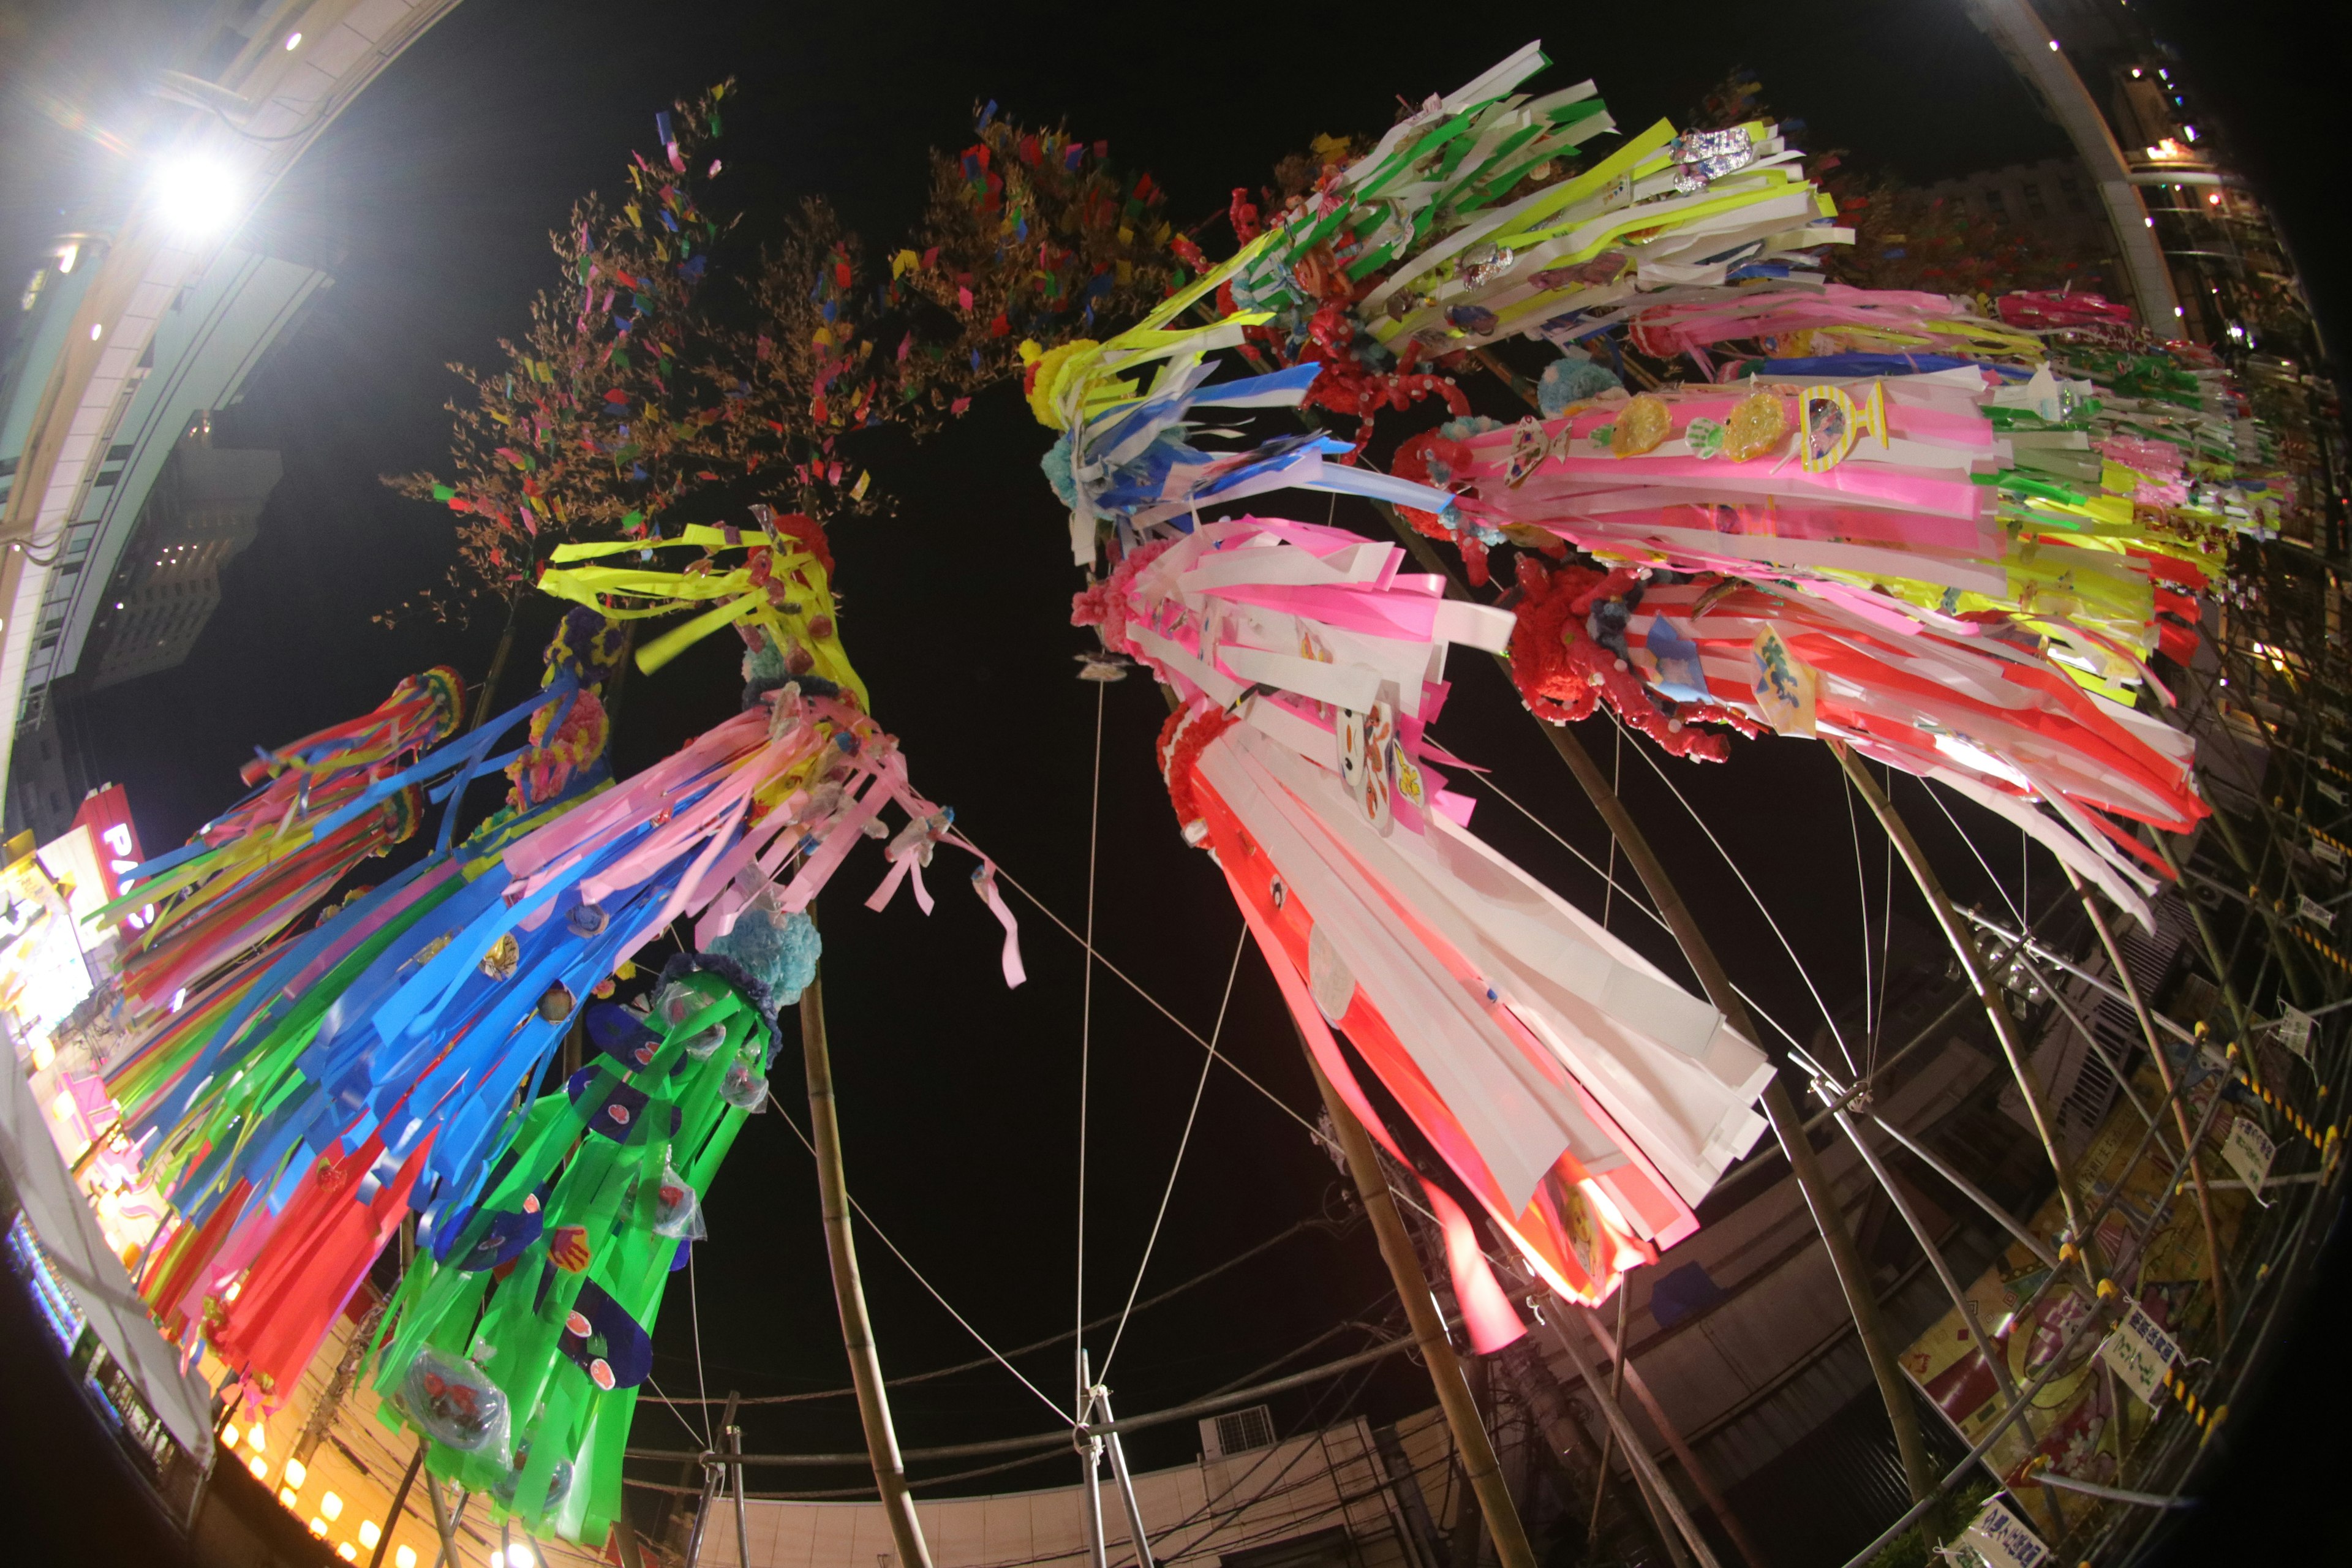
(399, 1502)
(1994, 1361)
(849, 1290)
(2164, 1074)
(1708, 1491)
(1136, 1533)
(1089, 1447)
(742, 1526)
(711, 1477)
(1470, 1439)
(1636, 1452)
(2004, 1029)
(447, 1528)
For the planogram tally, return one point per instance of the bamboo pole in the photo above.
(2164, 1073)
(1787, 1125)
(1710, 1493)
(2004, 1028)
(443, 1526)
(1616, 1381)
(1637, 1453)
(849, 1292)
(1470, 1440)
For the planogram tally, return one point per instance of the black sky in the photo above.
(959, 1102)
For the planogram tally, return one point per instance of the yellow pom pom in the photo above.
(1050, 369)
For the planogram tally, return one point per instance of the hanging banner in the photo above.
(2141, 1353)
(2001, 1539)
(2249, 1149)
(2295, 1033)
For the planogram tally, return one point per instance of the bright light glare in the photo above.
(68, 255)
(196, 196)
(331, 1506)
(369, 1532)
(296, 1473)
(404, 1557)
(293, 42)
(1969, 754)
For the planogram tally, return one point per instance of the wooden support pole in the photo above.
(2004, 1028)
(1470, 1440)
(849, 1292)
(1710, 1493)
(1637, 1453)
(1787, 1125)
(2164, 1072)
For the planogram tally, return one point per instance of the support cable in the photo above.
(879, 1235)
(1183, 1142)
(1804, 973)
(1085, 1043)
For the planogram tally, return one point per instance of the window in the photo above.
(2070, 193)
(2033, 207)
(1242, 1430)
(1994, 205)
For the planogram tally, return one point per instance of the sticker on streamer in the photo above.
(601, 1340)
(745, 1086)
(1643, 426)
(1786, 689)
(1364, 743)
(623, 1107)
(2315, 912)
(1705, 437)
(1758, 426)
(509, 1234)
(1329, 978)
(1678, 671)
(568, 1249)
(1411, 787)
(1833, 423)
(1529, 447)
(454, 1403)
(559, 1479)
(677, 1208)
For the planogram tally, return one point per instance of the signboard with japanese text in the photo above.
(2249, 1149)
(2141, 1353)
(2001, 1539)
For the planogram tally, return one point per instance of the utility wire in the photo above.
(1085, 1058)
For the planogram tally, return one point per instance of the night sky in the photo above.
(959, 1100)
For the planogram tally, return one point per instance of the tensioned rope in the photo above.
(694, 1303)
(1802, 972)
(1190, 1033)
(935, 1374)
(1182, 1143)
(1655, 919)
(1086, 1056)
(883, 1236)
(1990, 875)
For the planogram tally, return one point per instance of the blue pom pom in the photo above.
(781, 957)
(1056, 464)
(1571, 380)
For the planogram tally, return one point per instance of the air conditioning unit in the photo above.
(1236, 1432)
